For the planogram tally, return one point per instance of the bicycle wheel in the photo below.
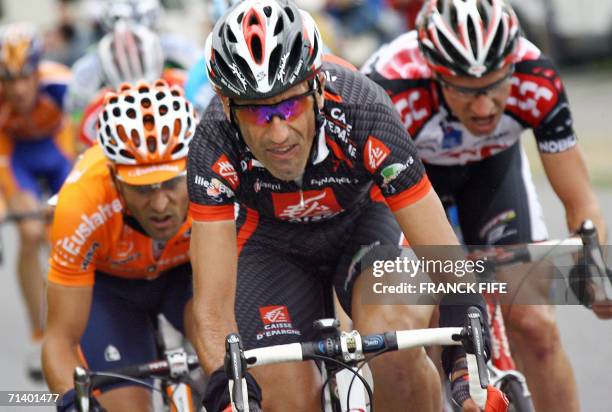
(519, 401)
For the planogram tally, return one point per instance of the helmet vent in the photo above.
(455, 56)
(274, 61)
(221, 27)
(165, 134)
(315, 47)
(256, 49)
(126, 153)
(244, 68)
(240, 17)
(472, 36)
(230, 35)
(151, 144)
(279, 27)
(296, 52)
(290, 14)
(267, 11)
(495, 45)
(135, 137)
(178, 148)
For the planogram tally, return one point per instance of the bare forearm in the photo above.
(212, 325)
(59, 360)
(575, 215)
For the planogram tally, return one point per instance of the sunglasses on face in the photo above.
(469, 93)
(262, 114)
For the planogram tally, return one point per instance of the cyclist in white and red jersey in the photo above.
(129, 53)
(466, 86)
(304, 145)
(88, 76)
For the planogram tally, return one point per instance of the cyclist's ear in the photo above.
(113, 174)
(320, 90)
(225, 101)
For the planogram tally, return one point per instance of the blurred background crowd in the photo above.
(570, 32)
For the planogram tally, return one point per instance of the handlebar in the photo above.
(177, 363)
(584, 242)
(351, 347)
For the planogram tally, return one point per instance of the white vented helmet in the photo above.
(145, 12)
(146, 124)
(130, 53)
(467, 37)
(261, 48)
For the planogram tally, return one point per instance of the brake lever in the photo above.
(473, 342)
(235, 369)
(593, 254)
(82, 389)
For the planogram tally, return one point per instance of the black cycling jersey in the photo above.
(361, 142)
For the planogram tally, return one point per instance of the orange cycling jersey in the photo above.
(91, 233)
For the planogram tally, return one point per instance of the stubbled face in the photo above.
(282, 145)
(21, 92)
(160, 209)
(479, 103)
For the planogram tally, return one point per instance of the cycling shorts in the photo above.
(32, 162)
(495, 198)
(121, 330)
(283, 268)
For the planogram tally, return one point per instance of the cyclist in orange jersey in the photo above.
(120, 243)
(36, 148)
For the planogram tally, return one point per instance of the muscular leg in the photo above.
(400, 378)
(534, 336)
(29, 270)
(127, 399)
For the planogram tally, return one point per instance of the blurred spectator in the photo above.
(409, 9)
(65, 42)
(363, 25)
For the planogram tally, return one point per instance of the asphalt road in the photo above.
(586, 339)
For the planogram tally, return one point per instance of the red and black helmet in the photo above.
(261, 48)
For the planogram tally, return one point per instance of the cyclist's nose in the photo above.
(482, 105)
(159, 201)
(278, 130)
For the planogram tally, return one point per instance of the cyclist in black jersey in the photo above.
(466, 85)
(306, 148)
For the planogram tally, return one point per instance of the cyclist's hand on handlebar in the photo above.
(496, 402)
(603, 310)
(217, 397)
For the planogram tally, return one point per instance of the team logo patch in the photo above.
(276, 321)
(310, 205)
(224, 168)
(375, 154)
(274, 314)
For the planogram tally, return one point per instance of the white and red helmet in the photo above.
(467, 37)
(261, 48)
(145, 131)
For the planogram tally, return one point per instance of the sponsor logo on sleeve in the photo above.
(224, 168)
(375, 154)
(215, 189)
